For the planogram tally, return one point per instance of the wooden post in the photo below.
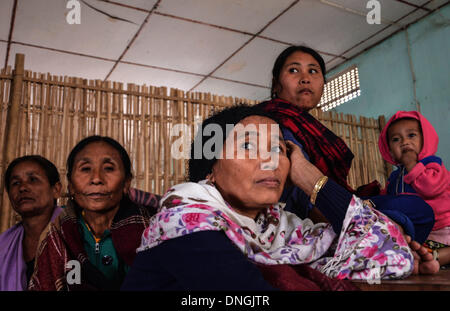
(11, 131)
(387, 166)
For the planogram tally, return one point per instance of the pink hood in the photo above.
(430, 137)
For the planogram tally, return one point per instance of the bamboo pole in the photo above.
(364, 157)
(373, 152)
(151, 139)
(355, 148)
(351, 145)
(136, 142)
(98, 107)
(74, 119)
(54, 122)
(5, 87)
(144, 139)
(11, 130)
(35, 117)
(114, 109)
(128, 122)
(165, 143)
(82, 112)
(121, 125)
(65, 145)
(24, 130)
(4, 94)
(387, 166)
(157, 133)
(32, 116)
(109, 107)
(44, 122)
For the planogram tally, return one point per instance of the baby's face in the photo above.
(404, 136)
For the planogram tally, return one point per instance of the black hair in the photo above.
(401, 119)
(95, 138)
(281, 60)
(199, 166)
(49, 168)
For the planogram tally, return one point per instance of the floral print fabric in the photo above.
(369, 246)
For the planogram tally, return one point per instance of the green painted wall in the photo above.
(386, 80)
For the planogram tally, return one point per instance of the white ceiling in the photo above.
(226, 47)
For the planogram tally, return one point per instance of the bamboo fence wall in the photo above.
(47, 115)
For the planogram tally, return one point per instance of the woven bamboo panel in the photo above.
(56, 112)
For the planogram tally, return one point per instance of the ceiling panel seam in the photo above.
(246, 43)
(204, 23)
(129, 63)
(353, 11)
(62, 51)
(212, 25)
(233, 30)
(107, 14)
(192, 74)
(288, 43)
(133, 39)
(240, 82)
(162, 68)
(396, 23)
(154, 11)
(415, 5)
(126, 6)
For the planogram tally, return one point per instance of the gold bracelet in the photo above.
(319, 185)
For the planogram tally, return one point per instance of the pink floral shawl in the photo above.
(368, 240)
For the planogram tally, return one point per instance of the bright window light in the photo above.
(340, 89)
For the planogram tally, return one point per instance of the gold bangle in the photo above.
(319, 185)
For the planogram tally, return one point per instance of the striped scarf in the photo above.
(326, 151)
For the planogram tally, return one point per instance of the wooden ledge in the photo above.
(435, 282)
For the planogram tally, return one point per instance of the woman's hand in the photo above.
(302, 173)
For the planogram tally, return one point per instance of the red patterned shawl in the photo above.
(62, 242)
(326, 151)
(302, 278)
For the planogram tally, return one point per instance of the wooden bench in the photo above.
(435, 282)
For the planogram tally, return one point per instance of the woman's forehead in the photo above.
(301, 57)
(257, 125)
(98, 149)
(28, 167)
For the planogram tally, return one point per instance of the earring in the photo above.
(210, 179)
(17, 218)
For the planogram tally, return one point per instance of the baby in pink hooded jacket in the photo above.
(409, 141)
